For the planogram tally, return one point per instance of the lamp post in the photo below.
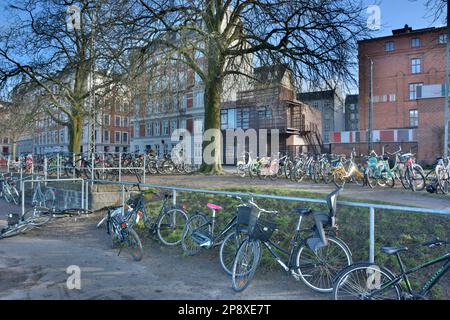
(447, 87)
(370, 124)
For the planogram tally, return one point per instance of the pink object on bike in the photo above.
(214, 207)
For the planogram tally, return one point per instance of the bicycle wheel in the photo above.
(134, 245)
(415, 179)
(14, 230)
(360, 281)
(318, 269)
(195, 223)
(171, 226)
(37, 215)
(245, 264)
(112, 231)
(241, 170)
(229, 248)
(15, 195)
(49, 198)
(442, 179)
(339, 180)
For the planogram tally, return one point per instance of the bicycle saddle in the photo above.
(303, 211)
(393, 250)
(214, 207)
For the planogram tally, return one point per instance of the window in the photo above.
(392, 97)
(157, 149)
(389, 46)
(106, 136)
(118, 121)
(261, 112)
(352, 116)
(268, 113)
(125, 122)
(415, 91)
(326, 115)
(327, 126)
(157, 129)
(148, 129)
(117, 140)
(166, 128)
(224, 119)
(413, 118)
(315, 104)
(199, 100)
(443, 38)
(416, 65)
(415, 42)
(124, 137)
(173, 126)
(106, 120)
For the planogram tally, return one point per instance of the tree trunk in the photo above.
(75, 134)
(213, 91)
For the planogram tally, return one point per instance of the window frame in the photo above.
(415, 44)
(391, 46)
(416, 68)
(414, 116)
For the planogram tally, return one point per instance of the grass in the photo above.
(393, 228)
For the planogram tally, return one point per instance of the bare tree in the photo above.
(222, 39)
(437, 9)
(54, 44)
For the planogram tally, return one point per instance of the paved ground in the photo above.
(33, 266)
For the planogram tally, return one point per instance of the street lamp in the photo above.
(370, 124)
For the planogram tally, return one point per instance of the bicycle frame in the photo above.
(433, 280)
(212, 221)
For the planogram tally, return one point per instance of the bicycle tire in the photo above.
(177, 230)
(321, 263)
(134, 245)
(345, 279)
(189, 246)
(229, 248)
(16, 230)
(245, 264)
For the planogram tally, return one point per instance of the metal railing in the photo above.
(369, 206)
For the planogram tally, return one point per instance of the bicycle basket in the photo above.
(13, 219)
(260, 229)
(243, 215)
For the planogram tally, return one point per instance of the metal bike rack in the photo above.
(369, 206)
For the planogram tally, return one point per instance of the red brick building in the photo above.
(408, 93)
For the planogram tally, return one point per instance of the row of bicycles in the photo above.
(373, 170)
(315, 255)
(109, 166)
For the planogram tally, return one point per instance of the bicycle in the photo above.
(315, 260)
(243, 166)
(43, 198)
(200, 234)
(8, 189)
(16, 225)
(347, 170)
(168, 225)
(368, 281)
(119, 225)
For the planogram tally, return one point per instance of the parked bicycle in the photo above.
(200, 234)
(369, 281)
(168, 224)
(315, 259)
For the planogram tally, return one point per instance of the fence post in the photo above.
(120, 167)
(123, 198)
(174, 197)
(58, 162)
(21, 176)
(82, 195)
(73, 165)
(22, 186)
(143, 179)
(372, 236)
(45, 167)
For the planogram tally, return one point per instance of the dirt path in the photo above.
(33, 266)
